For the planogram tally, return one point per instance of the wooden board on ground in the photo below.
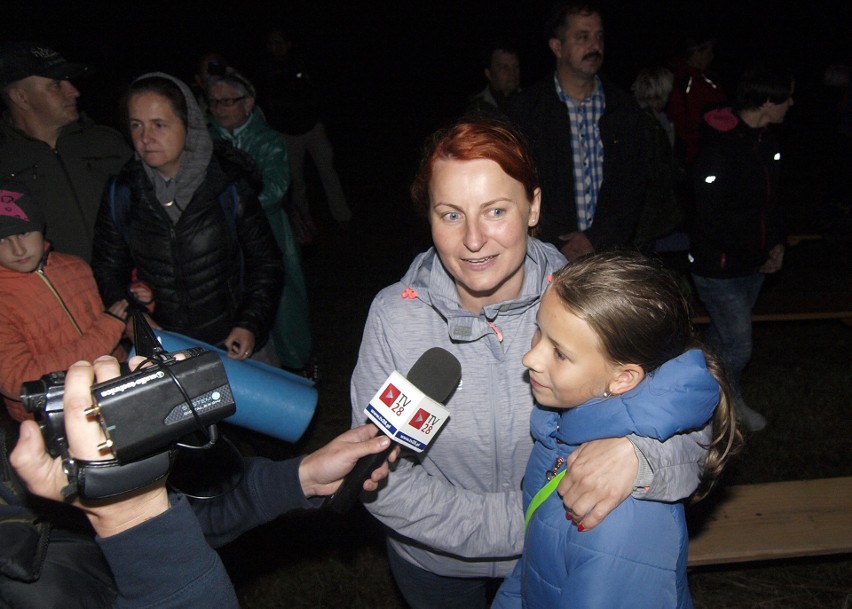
(776, 520)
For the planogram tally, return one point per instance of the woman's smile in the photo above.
(480, 217)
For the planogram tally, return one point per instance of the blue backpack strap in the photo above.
(119, 207)
(229, 200)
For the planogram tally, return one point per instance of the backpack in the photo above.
(119, 207)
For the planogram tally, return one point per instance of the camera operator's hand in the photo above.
(240, 343)
(322, 471)
(44, 476)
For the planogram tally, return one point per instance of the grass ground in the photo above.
(799, 378)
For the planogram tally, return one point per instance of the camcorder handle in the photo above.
(107, 479)
(200, 472)
(145, 341)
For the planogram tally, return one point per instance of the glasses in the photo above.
(227, 101)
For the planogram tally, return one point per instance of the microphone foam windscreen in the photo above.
(437, 373)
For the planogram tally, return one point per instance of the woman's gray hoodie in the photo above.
(456, 510)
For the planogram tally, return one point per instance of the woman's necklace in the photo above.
(173, 203)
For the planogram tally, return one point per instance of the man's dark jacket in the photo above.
(205, 279)
(68, 181)
(629, 173)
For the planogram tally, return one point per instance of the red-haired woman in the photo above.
(454, 513)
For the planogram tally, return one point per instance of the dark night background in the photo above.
(393, 71)
(397, 69)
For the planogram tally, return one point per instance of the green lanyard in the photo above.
(541, 496)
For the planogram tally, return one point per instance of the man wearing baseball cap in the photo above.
(61, 157)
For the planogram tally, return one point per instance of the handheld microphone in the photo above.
(409, 411)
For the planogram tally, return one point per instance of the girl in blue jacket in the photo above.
(614, 353)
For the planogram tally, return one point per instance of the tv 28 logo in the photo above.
(395, 399)
(424, 421)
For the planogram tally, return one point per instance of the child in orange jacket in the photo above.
(51, 314)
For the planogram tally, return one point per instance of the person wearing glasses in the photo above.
(236, 119)
(184, 214)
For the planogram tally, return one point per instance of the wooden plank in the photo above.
(776, 520)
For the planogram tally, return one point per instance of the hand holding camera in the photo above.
(143, 416)
(44, 474)
(108, 447)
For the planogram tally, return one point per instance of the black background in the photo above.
(416, 60)
(395, 70)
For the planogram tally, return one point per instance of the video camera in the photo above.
(143, 414)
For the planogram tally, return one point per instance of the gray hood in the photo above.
(194, 160)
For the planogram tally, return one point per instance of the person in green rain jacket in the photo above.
(231, 99)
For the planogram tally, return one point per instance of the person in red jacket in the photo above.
(51, 314)
(696, 90)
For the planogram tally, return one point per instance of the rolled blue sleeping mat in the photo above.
(269, 400)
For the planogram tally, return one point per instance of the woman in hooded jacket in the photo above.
(184, 218)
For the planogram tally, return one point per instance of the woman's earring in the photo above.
(606, 394)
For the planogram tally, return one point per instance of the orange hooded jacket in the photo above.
(49, 319)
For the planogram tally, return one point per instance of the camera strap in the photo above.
(105, 479)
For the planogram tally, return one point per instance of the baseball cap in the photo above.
(19, 213)
(18, 60)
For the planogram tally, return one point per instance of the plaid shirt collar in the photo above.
(586, 148)
(597, 95)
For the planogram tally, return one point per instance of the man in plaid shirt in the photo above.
(593, 145)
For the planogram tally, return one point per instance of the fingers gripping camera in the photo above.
(143, 416)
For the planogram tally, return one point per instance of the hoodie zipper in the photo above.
(49, 284)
